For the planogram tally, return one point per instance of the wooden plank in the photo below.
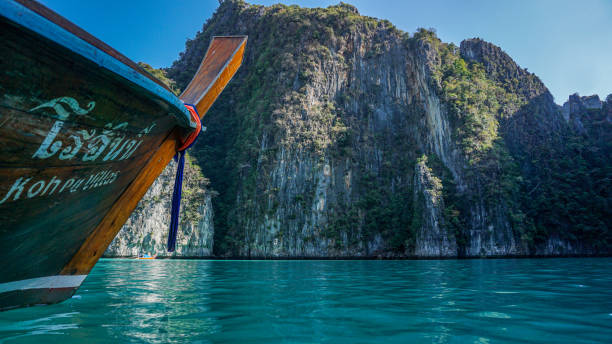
(95, 245)
(67, 102)
(207, 99)
(221, 52)
(47, 213)
(58, 110)
(37, 141)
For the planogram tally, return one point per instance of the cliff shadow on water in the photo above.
(344, 137)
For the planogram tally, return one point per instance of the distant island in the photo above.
(342, 136)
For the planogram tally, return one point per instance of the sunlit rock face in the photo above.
(146, 231)
(342, 136)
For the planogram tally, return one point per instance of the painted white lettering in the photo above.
(130, 152)
(114, 150)
(67, 184)
(36, 188)
(99, 143)
(88, 183)
(42, 188)
(61, 112)
(100, 179)
(110, 143)
(56, 182)
(17, 189)
(77, 184)
(127, 149)
(107, 178)
(94, 179)
(96, 146)
(44, 151)
(48, 148)
(114, 177)
(70, 151)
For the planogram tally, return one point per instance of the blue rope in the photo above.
(176, 195)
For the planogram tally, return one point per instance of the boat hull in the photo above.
(73, 137)
(84, 132)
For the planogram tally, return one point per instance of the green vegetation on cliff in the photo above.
(341, 135)
(160, 74)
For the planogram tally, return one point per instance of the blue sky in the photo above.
(568, 44)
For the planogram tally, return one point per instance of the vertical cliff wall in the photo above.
(146, 231)
(343, 136)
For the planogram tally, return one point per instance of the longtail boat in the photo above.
(84, 132)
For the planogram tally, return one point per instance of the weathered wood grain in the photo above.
(81, 141)
(23, 133)
(104, 233)
(51, 200)
(95, 245)
(216, 63)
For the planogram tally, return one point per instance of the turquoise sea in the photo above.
(565, 300)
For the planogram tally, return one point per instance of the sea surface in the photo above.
(565, 300)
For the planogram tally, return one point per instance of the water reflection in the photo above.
(477, 301)
(152, 301)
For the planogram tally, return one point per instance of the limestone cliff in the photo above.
(343, 136)
(146, 231)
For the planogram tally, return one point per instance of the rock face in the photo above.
(432, 238)
(343, 136)
(146, 231)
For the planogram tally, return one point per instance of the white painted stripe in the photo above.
(22, 15)
(59, 281)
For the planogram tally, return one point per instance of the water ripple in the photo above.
(447, 301)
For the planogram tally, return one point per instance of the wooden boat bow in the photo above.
(222, 60)
(84, 132)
